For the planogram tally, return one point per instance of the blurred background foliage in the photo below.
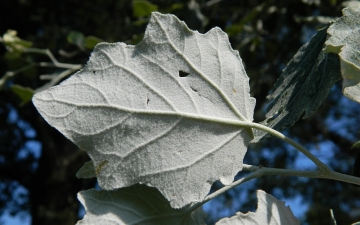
(43, 42)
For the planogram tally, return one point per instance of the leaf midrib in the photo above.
(226, 121)
(222, 94)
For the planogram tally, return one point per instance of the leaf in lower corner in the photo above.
(270, 211)
(303, 85)
(133, 108)
(25, 93)
(344, 41)
(137, 204)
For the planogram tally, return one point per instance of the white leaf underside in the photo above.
(135, 205)
(270, 211)
(163, 112)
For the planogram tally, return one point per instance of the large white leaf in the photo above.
(345, 40)
(270, 211)
(163, 112)
(137, 204)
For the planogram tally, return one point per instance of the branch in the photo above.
(264, 171)
(10, 74)
(211, 2)
(54, 61)
(331, 175)
(57, 78)
(70, 68)
(322, 167)
(245, 123)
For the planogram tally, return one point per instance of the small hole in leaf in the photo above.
(183, 74)
(93, 71)
(193, 89)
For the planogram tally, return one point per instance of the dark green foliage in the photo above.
(267, 35)
(303, 86)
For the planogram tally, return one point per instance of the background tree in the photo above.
(267, 34)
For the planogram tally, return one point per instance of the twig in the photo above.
(322, 167)
(70, 68)
(57, 79)
(333, 217)
(10, 74)
(54, 61)
(264, 171)
(211, 2)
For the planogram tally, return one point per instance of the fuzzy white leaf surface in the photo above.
(138, 204)
(270, 211)
(345, 40)
(165, 112)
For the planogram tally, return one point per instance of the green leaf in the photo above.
(76, 38)
(24, 93)
(167, 112)
(90, 42)
(14, 44)
(141, 21)
(138, 204)
(142, 8)
(303, 85)
(12, 55)
(270, 211)
(136, 39)
(345, 40)
(86, 171)
(356, 145)
(238, 27)
(177, 6)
